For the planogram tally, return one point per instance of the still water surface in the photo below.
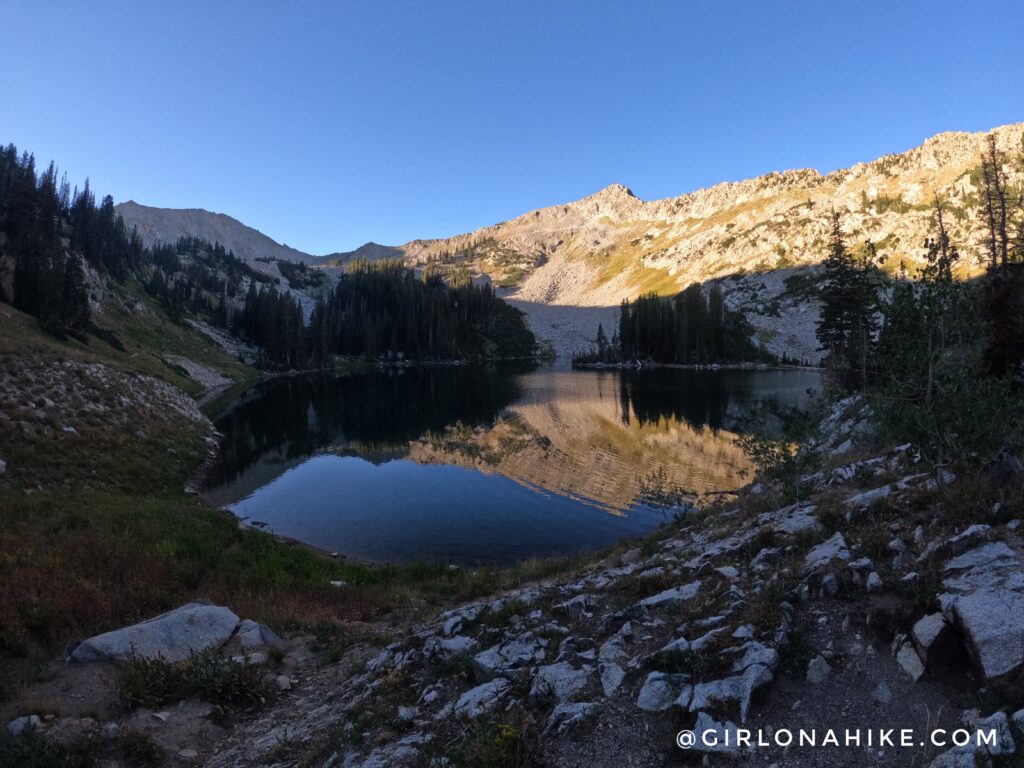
(470, 465)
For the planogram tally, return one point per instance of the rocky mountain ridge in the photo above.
(166, 225)
(611, 245)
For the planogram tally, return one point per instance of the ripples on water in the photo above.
(493, 464)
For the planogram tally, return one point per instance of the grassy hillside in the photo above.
(142, 328)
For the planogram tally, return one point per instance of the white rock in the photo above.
(926, 633)
(448, 647)
(707, 638)
(792, 520)
(283, 683)
(911, 663)
(174, 636)
(252, 634)
(743, 632)
(740, 688)
(611, 678)
(975, 534)
(756, 653)
(613, 648)
(765, 558)
(659, 692)
(985, 600)
(999, 723)
(508, 657)
(679, 644)
(22, 725)
(577, 607)
(822, 555)
(874, 582)
(818, 670)
(429, 695)
(728, 572)
(558, 682)
(672, 596)
(483, 698)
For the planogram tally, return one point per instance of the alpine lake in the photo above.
(487, 464)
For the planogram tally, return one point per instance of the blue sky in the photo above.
(329, 124)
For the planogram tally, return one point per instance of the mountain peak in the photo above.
(614, 192)
(166, 225)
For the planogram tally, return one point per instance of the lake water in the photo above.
(484, 464)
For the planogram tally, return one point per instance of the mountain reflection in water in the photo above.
(484, 464)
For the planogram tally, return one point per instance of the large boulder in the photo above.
(935, 640)
(252, 634)
(984, 599)
(661, 691)
(740, 689)
(558, 683)
(172, 636)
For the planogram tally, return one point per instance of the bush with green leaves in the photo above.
(150, 682)
(211, 676)
(493, 743)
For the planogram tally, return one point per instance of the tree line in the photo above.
(36, 226)
(384, 307)
(53, 233)
(693, 328)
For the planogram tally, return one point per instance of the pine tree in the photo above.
(1004, 293)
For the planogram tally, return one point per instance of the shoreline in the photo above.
(647, 365)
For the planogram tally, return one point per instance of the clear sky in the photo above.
(329, 124)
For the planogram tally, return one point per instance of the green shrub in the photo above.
(211, 676)
(150, 682)
(218, 679)
(491, 743)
